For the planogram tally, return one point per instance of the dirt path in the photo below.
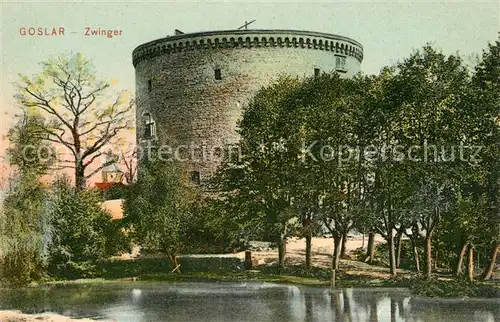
(322, 249)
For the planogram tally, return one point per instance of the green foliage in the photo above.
(213, 229)
(453, 288)
(214, 264)
(298, 270)
(28, 151)
(279, 187)
(256, 187)
(159, 206)
(24, 232)
(276, 184)
(83, 233)
(486, 118)
(430, 101)
(407, 257)
(117, 269)
(167, 215)
(116, 191)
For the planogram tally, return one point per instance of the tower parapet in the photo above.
(249, 39)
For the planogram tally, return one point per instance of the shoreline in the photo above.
(418, 287)
(18, 316)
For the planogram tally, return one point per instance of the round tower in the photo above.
(191, 88)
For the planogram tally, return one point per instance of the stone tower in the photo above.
(191, 88)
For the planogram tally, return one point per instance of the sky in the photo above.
(388, 30)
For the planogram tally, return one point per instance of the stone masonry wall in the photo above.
(178, 89)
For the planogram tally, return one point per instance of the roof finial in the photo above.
(246, 24)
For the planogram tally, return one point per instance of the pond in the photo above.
(228, 301)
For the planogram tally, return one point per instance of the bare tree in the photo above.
(129, 160)
(83, 116)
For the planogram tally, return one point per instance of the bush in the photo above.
(406, 261)
(359, 254)
(210, 264)
(22, 264)
(165, 215)
(116, 191)
(83, 233)
(299, 270)
(453, 288)
(141, 267)
(211, 229)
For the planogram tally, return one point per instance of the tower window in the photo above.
(150, 85)
(340, 63)
(149, 126)
(195, 177)
(316, 72)
(217, 74)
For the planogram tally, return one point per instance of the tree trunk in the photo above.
(460, 260)
(415, 255)
(392, 254)
(370, 251)
(343, 248)
(470, 264)
(492, 263)
(399, 236)
(337, 240)
(281, 253)
(80, 181)
(308, 252)
(428, 255)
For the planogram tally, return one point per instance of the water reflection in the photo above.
(140, 302)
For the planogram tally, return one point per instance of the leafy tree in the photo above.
(372, 118)
(28, 151)
(486, 129)
(318, 126)
(284, 175)
(81, 115)
(385, 178)
(258, 184)
(24, 231)
(158, 208)
(463, 228)
(426, 91)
